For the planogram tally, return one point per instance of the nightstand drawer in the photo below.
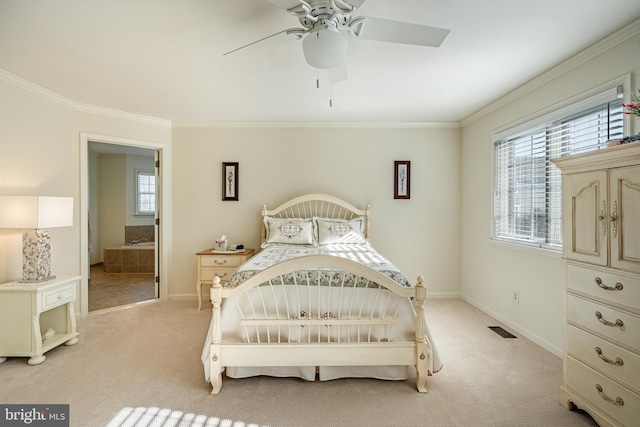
(221, 261)
(609, 396)
(616, 325)
(57, 296)
(208, 273)
(607, 285)
(613, 361)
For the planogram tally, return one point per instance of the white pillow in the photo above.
(339, 231)
(292, 231)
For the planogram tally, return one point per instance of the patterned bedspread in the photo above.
(271, 255)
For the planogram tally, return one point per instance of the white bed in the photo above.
(318, 302)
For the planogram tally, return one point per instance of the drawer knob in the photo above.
(617, 287)
(618, 361)
(217, 261)
(618, 400)
(617, 323)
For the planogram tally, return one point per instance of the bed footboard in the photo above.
(321, 311)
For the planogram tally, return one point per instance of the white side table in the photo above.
(212, 263)
(28, 310)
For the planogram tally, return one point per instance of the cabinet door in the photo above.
(624, 216)
(584, 211)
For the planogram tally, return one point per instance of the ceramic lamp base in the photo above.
(36, 256)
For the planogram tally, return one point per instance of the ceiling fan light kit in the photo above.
(324, 47)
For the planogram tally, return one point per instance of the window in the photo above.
(145, 193)
(527, 185)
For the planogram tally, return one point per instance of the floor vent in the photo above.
(502, 332)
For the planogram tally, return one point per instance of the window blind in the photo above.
(145, 193)
(527, 186)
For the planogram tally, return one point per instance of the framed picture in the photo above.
(230, 181)
(402, 179)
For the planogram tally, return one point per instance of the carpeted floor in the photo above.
(148, 357)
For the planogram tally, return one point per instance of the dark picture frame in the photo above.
(229, 181)
(402, 179)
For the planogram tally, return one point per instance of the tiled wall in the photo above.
(134, 259)
(137, 232)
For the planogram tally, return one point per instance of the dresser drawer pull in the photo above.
(618, 323)
(618, 400)
(218, 262)
(617, 287)
(606, 359)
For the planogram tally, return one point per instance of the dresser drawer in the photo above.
(618, 288)
(208, 273)
(221, 260)
(57, 296)
(617, 325)
(613, 361)
(609, 396)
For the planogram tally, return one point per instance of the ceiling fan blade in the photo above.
(337, 74)
(348, 5)
(295, 32)
(387, 30)
(286, 4)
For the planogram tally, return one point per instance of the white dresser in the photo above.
(601, 247)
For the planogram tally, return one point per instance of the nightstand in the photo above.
(212, 263)
(29, 310)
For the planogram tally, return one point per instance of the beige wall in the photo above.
(40, 155)
(420, 235)
(492, 271)
(37, 158)
(112, 212)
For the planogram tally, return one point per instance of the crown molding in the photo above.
(352, 125)
(623, 34)
(28, 86)
(49, 95)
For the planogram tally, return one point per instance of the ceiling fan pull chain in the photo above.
(330, 95)
(318, 59)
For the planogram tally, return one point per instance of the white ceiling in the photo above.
(164, 58)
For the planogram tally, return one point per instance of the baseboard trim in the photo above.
(514, 326)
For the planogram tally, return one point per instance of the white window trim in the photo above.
(137, 173)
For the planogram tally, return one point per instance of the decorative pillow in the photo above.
(337, 231)
(292, 231)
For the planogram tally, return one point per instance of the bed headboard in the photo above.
(320, 205)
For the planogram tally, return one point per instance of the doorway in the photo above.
(139, 269)
(122, 200)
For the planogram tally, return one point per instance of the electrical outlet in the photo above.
(516, 297)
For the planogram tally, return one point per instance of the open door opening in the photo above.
(122, 238)
(123, 222)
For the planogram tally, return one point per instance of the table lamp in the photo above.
(38, 213)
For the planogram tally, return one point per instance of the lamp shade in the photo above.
(324, 48)
(35, 212)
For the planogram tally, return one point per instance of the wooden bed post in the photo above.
(215, 361)
(423, 346)
(263, 229)
(367, 223)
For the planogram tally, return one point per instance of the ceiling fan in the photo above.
(323, 22)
